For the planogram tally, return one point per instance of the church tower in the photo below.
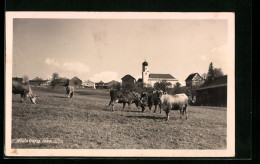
(145, 72)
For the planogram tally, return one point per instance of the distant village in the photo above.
(215, 89)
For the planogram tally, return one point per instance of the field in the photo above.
(86, 122)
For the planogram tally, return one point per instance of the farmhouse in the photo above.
(194, 80)
(38, 82)
(61, 81)
(75, 81)
(101, 85)
(89, 84)
(149, 79)
(213, 93)
(19, 79)
(128, 81)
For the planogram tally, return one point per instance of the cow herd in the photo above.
(157, 98)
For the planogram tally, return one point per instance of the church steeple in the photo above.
(145, 72)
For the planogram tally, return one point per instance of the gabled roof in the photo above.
(113, 81)
(75, 78)
(128, 77)
(101, 82)
(161, 76)
(190, 77)
(217, 82)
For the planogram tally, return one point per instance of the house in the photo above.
(18, 79)
(88, 84)
(149, 79)
(213, 93)
(75, 81)
(113, 84)
(194, 80)
(128, 81)
(101, 85)
(61, 81)
(37, 82)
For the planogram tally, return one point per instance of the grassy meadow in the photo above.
(86, 122)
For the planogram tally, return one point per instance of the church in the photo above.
(149, 79)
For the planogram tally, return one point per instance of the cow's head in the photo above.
(32, 97)
(159, 93)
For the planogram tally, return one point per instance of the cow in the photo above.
(24, 90)
(154, 99)
(125, 97)
(70, 91)
(151, 99)
(174, 102)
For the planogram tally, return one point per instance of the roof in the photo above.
(75, 78)
(217, 82)
(113, 81)
(37, 79)
(190, 77)
(161, 76)
(140, 80)
(127, 77)
(145, 63)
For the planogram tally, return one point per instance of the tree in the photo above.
(218, 72)
(26, 79)
(212, 73)
(55, 77)
(204, 76)
(161, 85)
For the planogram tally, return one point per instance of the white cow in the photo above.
(171, 102)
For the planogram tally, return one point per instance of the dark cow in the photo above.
(125, 97)
(152, 99)
(24, 90)
(70, 91)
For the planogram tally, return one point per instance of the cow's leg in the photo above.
(167, 114)
(22, 97)
(180, 113)
(129, 103)
(160, 106)
(155, 107)
(185, 110)
(112, 103)
(123, 106)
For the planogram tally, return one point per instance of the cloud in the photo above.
(71, 66)
(221, 50)
(105, 76)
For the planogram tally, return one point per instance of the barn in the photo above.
(213, 93)
(75, 81)
(128, 81)
(19, 79)
(61, 82)
(101, 85)
(37, 82)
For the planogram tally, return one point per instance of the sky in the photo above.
(108, 49)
